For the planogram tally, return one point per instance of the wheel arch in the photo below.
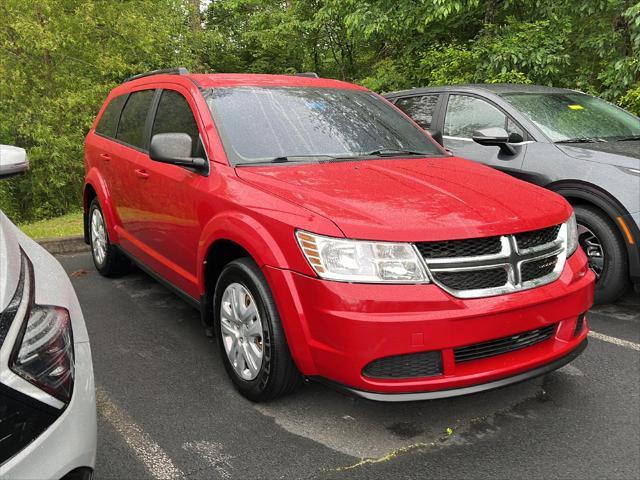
(580, 192)
(95, 187)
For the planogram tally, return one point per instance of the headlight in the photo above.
(362, 261)
(572, 235)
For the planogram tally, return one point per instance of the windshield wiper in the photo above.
(394, 152)
(629, 138)
(286, 159)
(582, 140)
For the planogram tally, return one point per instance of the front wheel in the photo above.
(599, 238)
(251, 339)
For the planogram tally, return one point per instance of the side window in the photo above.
(467, 114)
(175, 116)
(133, 118)
(109, 120)
(419, 108)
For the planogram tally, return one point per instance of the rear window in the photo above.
(265, 123)
(109, 120)
(134, 117)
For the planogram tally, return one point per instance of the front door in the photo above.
(170, 226)
(465, 114)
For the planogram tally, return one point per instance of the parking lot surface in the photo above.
(167, 410)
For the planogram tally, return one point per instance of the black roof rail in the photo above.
(167, 71)
(307, 74)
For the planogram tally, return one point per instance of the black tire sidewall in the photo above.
(242, 272)
(614, 280)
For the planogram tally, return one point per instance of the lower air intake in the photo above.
(413, 365)
(503, 345)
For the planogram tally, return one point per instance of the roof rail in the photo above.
(167, 71)
(307, 74)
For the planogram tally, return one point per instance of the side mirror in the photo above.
(437, 136)
(13, 160)
(496, 137)
(175, 148)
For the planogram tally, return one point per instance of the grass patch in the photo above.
(64, 226)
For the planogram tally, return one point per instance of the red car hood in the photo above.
(413, 199)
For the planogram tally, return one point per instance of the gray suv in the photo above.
(577, 145)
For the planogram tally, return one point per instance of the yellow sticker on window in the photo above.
(576, 107)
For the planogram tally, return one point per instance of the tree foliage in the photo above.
(59, 58)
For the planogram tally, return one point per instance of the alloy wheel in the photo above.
(98, 237)
(241, 329)
(592, 246)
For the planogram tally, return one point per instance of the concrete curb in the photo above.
(57, 246)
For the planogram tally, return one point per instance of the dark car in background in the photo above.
(575, 144)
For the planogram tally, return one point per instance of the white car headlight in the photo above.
(361, 261)
(572, 235)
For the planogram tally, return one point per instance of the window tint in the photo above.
(467, 114)
(134, 115)
(109, 120)
(175, 116)
(419, 108)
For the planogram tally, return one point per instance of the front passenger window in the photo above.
(174, 115)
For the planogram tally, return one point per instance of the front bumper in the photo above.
(336, 329)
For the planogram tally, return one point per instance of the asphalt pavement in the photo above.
(167, 410)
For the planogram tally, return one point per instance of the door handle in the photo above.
(142, 174)
(105, 156)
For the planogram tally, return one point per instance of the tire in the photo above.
(612, 269)
(277, 374)
(108, 260)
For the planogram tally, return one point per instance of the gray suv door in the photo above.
(466, 113)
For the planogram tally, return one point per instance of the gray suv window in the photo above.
(419, 108)
(466, 114)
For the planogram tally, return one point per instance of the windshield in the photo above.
(575, 116)
(260, 124)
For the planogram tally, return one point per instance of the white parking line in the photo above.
(615, 341)
(213, 454)
(150, 453)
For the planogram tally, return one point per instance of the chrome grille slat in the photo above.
(522, 262)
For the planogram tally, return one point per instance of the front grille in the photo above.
(538, 268)
(423, 364)
(473, 247)
(537, 237)
(21, 422)
(503, 345)
(472, 279)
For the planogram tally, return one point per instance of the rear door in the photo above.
(465, 113)
(128, 175)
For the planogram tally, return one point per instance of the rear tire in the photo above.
(597, 233)
(108, 260)
(276, 375)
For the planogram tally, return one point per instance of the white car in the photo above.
(47, 396)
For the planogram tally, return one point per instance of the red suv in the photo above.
(323, 234)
